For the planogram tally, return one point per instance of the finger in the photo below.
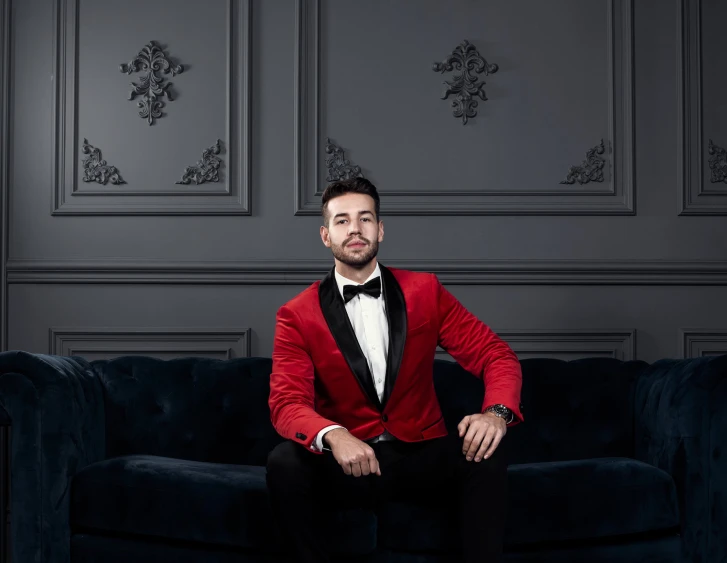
(365, 465)
(469, 438)
(462, 426)
(373, 463)
(475, 445)
(482, 450)
(467, 441)
(346, 468)
(487, 442)
(356, 469)
(495, 443)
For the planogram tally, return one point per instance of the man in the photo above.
(352, 391)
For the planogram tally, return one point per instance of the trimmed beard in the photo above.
(358, 260)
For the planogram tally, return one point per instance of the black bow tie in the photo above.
(372, 288)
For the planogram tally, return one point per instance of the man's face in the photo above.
(352, 233)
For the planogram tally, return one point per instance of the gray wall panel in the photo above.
(656, 276)
(703, 119)
(656, 313)
(4, 156)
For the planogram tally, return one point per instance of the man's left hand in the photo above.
(482, 434)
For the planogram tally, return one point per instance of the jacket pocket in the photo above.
(432, 430)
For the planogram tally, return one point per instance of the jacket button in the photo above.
(385, 418)
(300, 436)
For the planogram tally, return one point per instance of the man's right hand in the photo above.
(356, 457)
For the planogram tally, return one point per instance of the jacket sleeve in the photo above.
(477, 348)
(292, 390)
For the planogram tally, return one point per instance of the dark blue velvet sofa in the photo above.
(144, 460)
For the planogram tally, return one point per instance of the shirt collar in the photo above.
(341, 281)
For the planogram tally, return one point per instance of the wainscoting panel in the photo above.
(694, 343)
(567, 344)
(148, 160)
(163, 343)
(400, 144)
(702, 132)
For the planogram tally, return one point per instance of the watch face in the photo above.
(501, 410)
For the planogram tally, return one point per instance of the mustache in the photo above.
(357, 239)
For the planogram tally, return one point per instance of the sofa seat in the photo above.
(146, 495)
(552, 502)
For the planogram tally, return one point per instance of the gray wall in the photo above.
(630, 265)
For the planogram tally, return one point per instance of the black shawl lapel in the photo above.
(334, 311)
(396, 315)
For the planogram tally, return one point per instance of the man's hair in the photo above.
(350, 186)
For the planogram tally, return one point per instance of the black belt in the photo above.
(384, 437)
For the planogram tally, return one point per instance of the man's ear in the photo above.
(381, 231)
(325, 237)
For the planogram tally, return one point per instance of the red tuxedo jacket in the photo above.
(321, 377)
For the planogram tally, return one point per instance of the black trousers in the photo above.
(303, 485)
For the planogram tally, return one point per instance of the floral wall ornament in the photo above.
(717, 163)
(97, 170)
(206, 170)
(339, 168)
(590, 170)
(152, 60)
(465, 86)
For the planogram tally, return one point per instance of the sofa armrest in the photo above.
(681, 427)
(55, 408)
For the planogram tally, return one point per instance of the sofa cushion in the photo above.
(551, 502)
(198, 501)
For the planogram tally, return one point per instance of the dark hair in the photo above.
(351, 185)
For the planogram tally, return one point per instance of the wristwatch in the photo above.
(502, 411)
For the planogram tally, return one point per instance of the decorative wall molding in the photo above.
(717, 163)
(695, 197)
(95, 169)
(567, 344)
(165, 343)
(696, 342)
(151, 59)
(465, 86)
(339, 168)
(206, 170)
(73, 197)
(304, 272)
(4, 186)
(616, 197)
(590, 170)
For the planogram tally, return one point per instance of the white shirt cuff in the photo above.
(318, 442)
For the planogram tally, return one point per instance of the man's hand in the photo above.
(482, 434)
(356, 457)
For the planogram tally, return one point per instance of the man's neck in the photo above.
(359, 275)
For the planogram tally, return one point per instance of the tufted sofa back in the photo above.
(217, 411)
(189, 408)
(578, 409)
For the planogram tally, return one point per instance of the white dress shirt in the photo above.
(368, 318)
